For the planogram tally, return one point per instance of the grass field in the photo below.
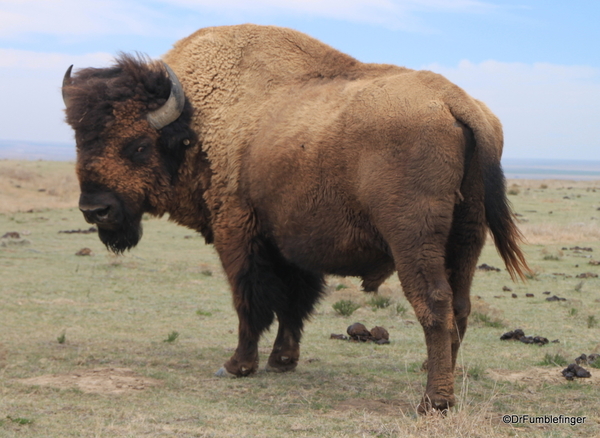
(107, 346)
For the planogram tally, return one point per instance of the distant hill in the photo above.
(32, 150)
(551, 169)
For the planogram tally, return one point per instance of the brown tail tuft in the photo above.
(500, 219)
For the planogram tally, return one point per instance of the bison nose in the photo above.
(95, 214)
(101, 209)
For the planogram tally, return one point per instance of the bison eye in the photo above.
(138, 150)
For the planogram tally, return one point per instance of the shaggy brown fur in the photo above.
(300, 161)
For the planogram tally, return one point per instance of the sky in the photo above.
(536, 63)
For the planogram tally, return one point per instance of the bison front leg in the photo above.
(250, 276)
(300, 290)
(286, 349)
(251, 324)
(245, 359)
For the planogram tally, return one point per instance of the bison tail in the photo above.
(500, 220)
(487, 131)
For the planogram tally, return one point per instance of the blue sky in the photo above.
(535, 63)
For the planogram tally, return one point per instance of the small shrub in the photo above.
(401, 309)
(201, 312)
(62, 338)
(207, 273)
(415, 367)
(486, 320)
(573, 312)
(378, 302)
(533, 274)
(172, 337)
(476, 372)
(595, 363)
(554, 360)
(592, 321)
(544, 186)
(513, 191)
(345, 307)
(552, 257)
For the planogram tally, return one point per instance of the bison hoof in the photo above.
(435, 404)
(222, 372)
(281, 364)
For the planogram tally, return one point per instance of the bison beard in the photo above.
(120, 240)
(124, 237)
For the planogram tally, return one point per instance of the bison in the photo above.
(297, 161)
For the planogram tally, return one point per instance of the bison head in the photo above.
(131, 125)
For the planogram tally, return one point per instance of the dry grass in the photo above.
(115, 313)
(554, 211)
(555, 233)
(26, 185)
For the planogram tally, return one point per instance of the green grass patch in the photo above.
(172, 337)
(553, 360)
(485, 320)
(20, 420)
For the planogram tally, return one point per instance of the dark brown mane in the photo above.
(93, 93)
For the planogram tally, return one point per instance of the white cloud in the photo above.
(75, 17)
(399, 14)
(547, 110)
(136, 17)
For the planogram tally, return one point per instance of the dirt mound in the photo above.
(98, 381)
(538, 375)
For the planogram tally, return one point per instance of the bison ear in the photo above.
(172, 108)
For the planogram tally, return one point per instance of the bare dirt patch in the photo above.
(536, 376)
(97, 381)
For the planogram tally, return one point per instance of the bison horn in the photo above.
(66, 82)
(172, 108)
